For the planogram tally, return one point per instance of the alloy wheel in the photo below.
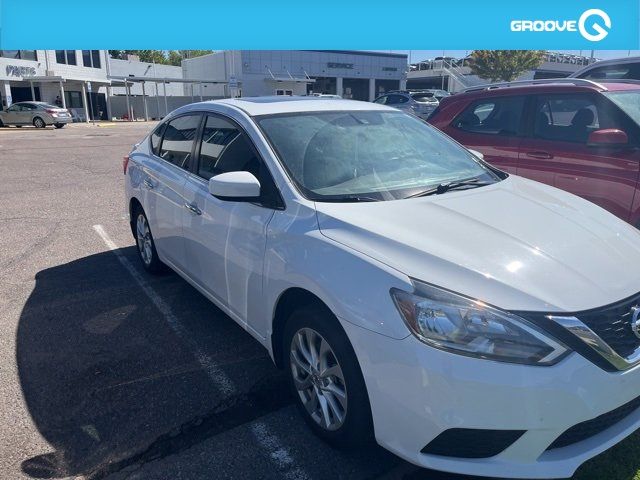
(318, 379)
(38, 123)
(143, 235)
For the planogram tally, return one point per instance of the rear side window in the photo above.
(396, 99)
(381, 100)
(493, 116)
(567, 118)
(178, 139)
(156, 138)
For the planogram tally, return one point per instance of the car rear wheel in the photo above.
(59, 125)
(146, 246)
(39, 123)
(325, 378)
(1, 123)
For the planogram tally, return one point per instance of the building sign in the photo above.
(340, 65)
(20, 71)
(389, 69)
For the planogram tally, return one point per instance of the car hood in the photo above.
(517, 244)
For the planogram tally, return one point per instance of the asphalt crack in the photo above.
(266, 396)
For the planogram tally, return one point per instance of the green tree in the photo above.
(504, 65)
(153, 56)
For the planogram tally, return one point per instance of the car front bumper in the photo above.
(418, 392)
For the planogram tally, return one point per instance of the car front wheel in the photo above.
(325, 378)
(39, 123)
(146, 246)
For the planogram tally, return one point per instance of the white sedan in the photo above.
(468, 320)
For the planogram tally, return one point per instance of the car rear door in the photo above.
(225, 240)
(557, 151)
(164, 179)
(492, 126)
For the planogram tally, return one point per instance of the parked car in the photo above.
(577, 135)
(469, 320)
(38, 114)
(325, 95)
(614, 69)
(419, 103)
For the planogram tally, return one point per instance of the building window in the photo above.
(20, 54)
(91, 58)
(73, 99)
(66, 57)
(284, 92)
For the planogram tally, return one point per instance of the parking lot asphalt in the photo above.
(107, 372)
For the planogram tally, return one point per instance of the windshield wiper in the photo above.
(445, 187)
(355, 198)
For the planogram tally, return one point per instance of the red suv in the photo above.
(577, 135)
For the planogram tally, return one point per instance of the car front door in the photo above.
(13, 114)
(493, 127)
(164, 179)
(557, 152)
(225, 240)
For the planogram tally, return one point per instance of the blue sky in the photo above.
(417, 55)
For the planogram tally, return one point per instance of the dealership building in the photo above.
(94, 86)
(357, 75)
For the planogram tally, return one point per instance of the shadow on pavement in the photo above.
(109, 384)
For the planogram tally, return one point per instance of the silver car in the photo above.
(418, 103)
(38, 114)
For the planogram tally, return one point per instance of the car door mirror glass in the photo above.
(607, 137)
(236, 186)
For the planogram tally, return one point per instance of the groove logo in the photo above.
(594, 25)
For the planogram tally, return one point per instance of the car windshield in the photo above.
(628, 101)
(367, 155)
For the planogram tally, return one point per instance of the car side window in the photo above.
(14, 108)
(156, 138)
(396, 99)
(178, 139)
(493, 116)
(567, 118)
(226, 148)
(381, 100)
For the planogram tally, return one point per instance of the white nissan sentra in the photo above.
(469, 320)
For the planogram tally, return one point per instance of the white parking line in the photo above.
(220, 379)
(268, 441)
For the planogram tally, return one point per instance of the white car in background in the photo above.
(469, 320)
(38, 114)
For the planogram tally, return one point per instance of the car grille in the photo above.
(613, 324)
(592, 427)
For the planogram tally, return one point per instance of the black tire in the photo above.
(59, 125)
(356, 430)
(39, 122)
(1, 123)
(148, 256)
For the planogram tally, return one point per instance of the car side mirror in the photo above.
(607, 137)
(476, 153)
(235, 186)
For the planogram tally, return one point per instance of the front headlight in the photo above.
(469, 327)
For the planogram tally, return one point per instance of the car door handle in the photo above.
(149, 184)
(540, 155)
(192, 208)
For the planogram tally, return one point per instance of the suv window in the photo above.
(608, 72)
(493, 116)
(569, 118)
(226, 148)
(396, 99)
(177, 141)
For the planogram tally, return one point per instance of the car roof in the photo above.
(255, 106)
(605, 63)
